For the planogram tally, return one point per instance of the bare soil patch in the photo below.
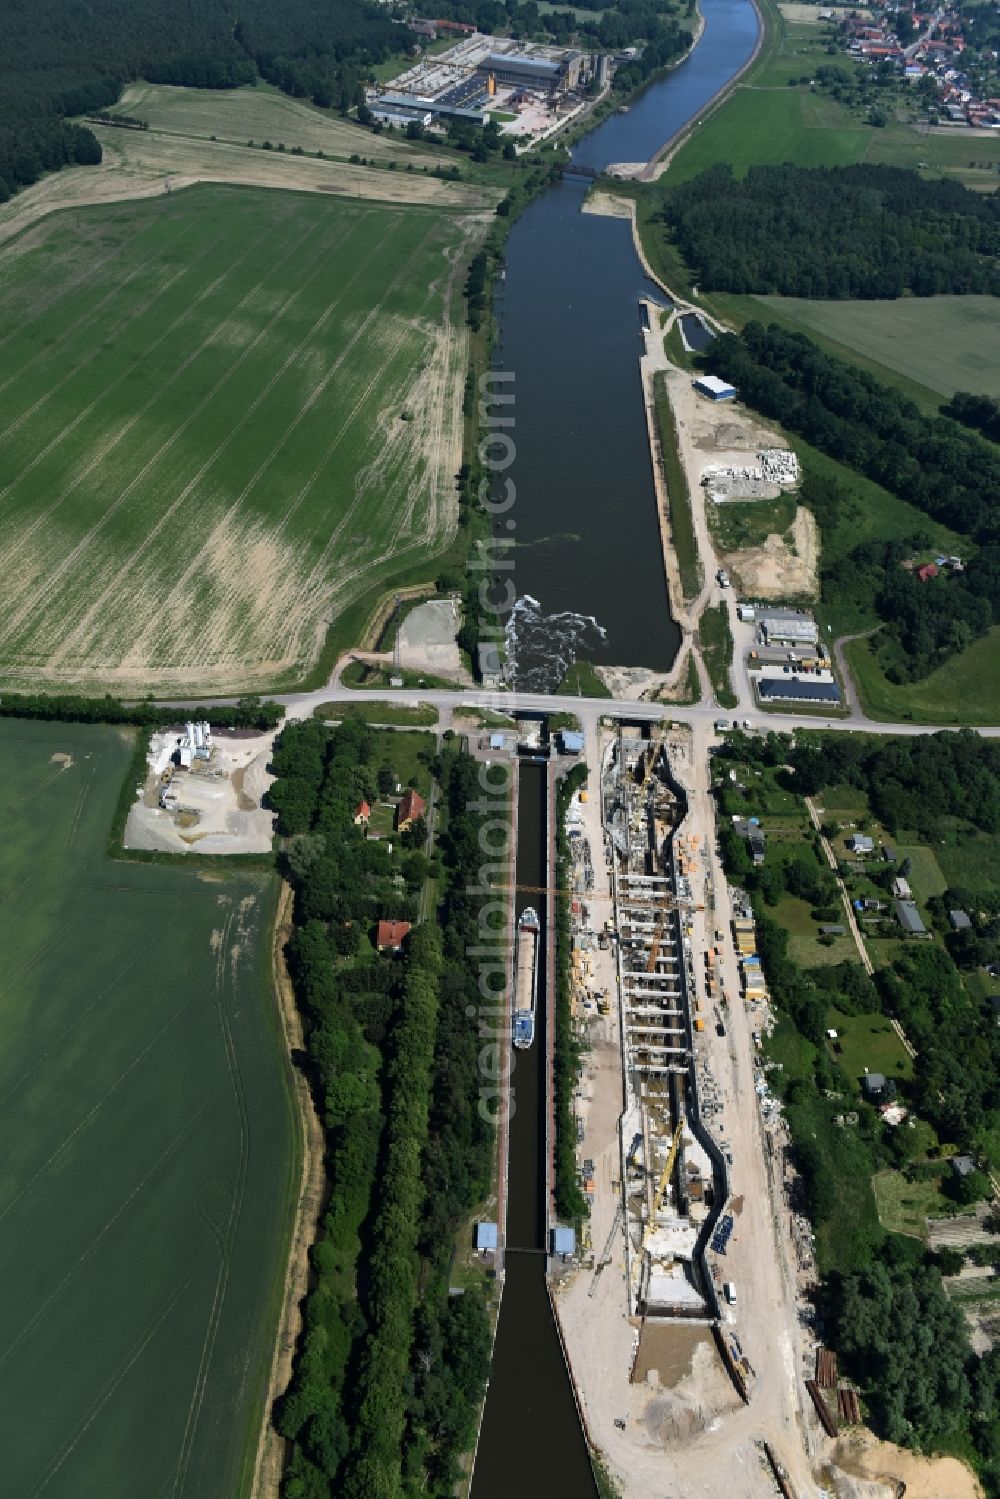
(886, 1472)
(784, 567)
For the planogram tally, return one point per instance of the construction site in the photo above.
(673, 1172)
(203, 792)
(683, 1318)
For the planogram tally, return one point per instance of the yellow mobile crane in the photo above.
(663, 1183)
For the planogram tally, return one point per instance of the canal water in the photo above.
(589, 575)
(531, 1441)
(588, 563)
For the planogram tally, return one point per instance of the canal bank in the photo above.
(587, 562)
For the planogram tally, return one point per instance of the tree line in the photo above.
(934, 463)
(834, 232)
(391, 1368)
(248, 712)
(609, 28)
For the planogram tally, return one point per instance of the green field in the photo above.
(748, 523)
(944, 343)
(716, 641)
(227, 414)
(400, 715)
(149, 1161)
(964, 690)
(262, 113)
(759, 125)
(868, 1041)
(905, 1206)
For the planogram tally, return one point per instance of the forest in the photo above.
(391, 1368)
(882, 1299)
(934, 463)
(72, 57)
(834, 232)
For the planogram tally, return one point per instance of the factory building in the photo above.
(602, 69)
(399, 114)
(196, 744)
(787, 627)
(517, 70)
(409, 105)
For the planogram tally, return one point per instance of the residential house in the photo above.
(391, 935)
(411, 806)
(909, 918)
(860, 843)
(362, 815)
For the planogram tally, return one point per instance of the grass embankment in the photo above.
(716, 640)
(581, 680)
(392, 715)
(682, 535)
(148, 1198)
(570, 1203)
(359, 674)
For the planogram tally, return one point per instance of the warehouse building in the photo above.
(787, 627)
(543, 74)
(407, 106)
(798, 690)
(396, 115)
(714, 388)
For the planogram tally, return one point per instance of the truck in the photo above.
(723, 578)
(729, 1291)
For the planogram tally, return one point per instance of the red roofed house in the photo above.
(929, 570)
(362, 813)
(391, 935)
(410, 808)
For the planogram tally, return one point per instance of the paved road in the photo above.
(590, 709)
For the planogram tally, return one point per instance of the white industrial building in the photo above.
(195, 743)
(714, 388)
(787, 627)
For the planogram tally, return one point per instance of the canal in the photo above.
(588, 563)
(530, 1411)
(590, 580)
